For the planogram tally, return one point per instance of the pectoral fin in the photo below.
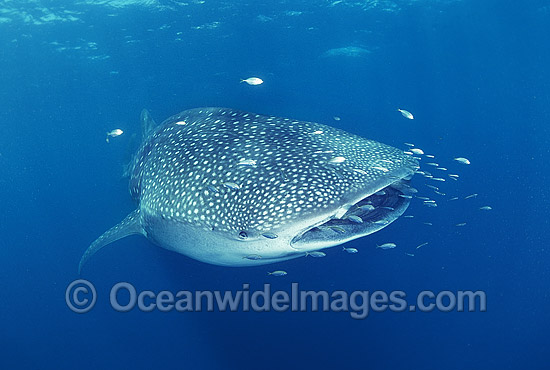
(129, 226)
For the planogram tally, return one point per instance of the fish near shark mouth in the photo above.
(370, 214)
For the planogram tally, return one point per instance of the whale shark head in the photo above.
(235, 188)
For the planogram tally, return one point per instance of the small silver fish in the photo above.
(338, 229)
(405, 196)
(441, 168)
(454, 198)
(253, 257)
(277, 273)
(367, 207)
(337, 160)
(350, 250)
(316, 254)
(213, 189)
(409, 254)
(358, 170)
(408, 216)
(433, 164)
(432, 186)
(430, 156)
(471, 196)
(387, 246)
(417, 151)
(114, 133)
(486, 208)
(270, 235)
(388, 208)
(438, 179)
(408, 144)
(461, 224)
(247, 162)
(406, 114)
(253, 81)
(421, 245)
(462, 160)
(356, 219)
(231, 185)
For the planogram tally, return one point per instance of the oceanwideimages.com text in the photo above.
(81, 297)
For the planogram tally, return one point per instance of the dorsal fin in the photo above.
(129, 226)
(147, 124)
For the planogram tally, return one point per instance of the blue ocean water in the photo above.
(475, 75)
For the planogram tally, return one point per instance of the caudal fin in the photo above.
(129, 226)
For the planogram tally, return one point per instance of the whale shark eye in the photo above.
(243, 235)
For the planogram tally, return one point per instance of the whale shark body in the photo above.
(234, 188)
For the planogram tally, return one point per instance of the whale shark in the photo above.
(234, 188)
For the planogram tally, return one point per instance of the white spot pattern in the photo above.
(190, 172)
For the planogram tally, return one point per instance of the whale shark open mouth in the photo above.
(365, 217)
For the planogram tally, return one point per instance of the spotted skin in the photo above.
(189, 181)
(289, 181)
